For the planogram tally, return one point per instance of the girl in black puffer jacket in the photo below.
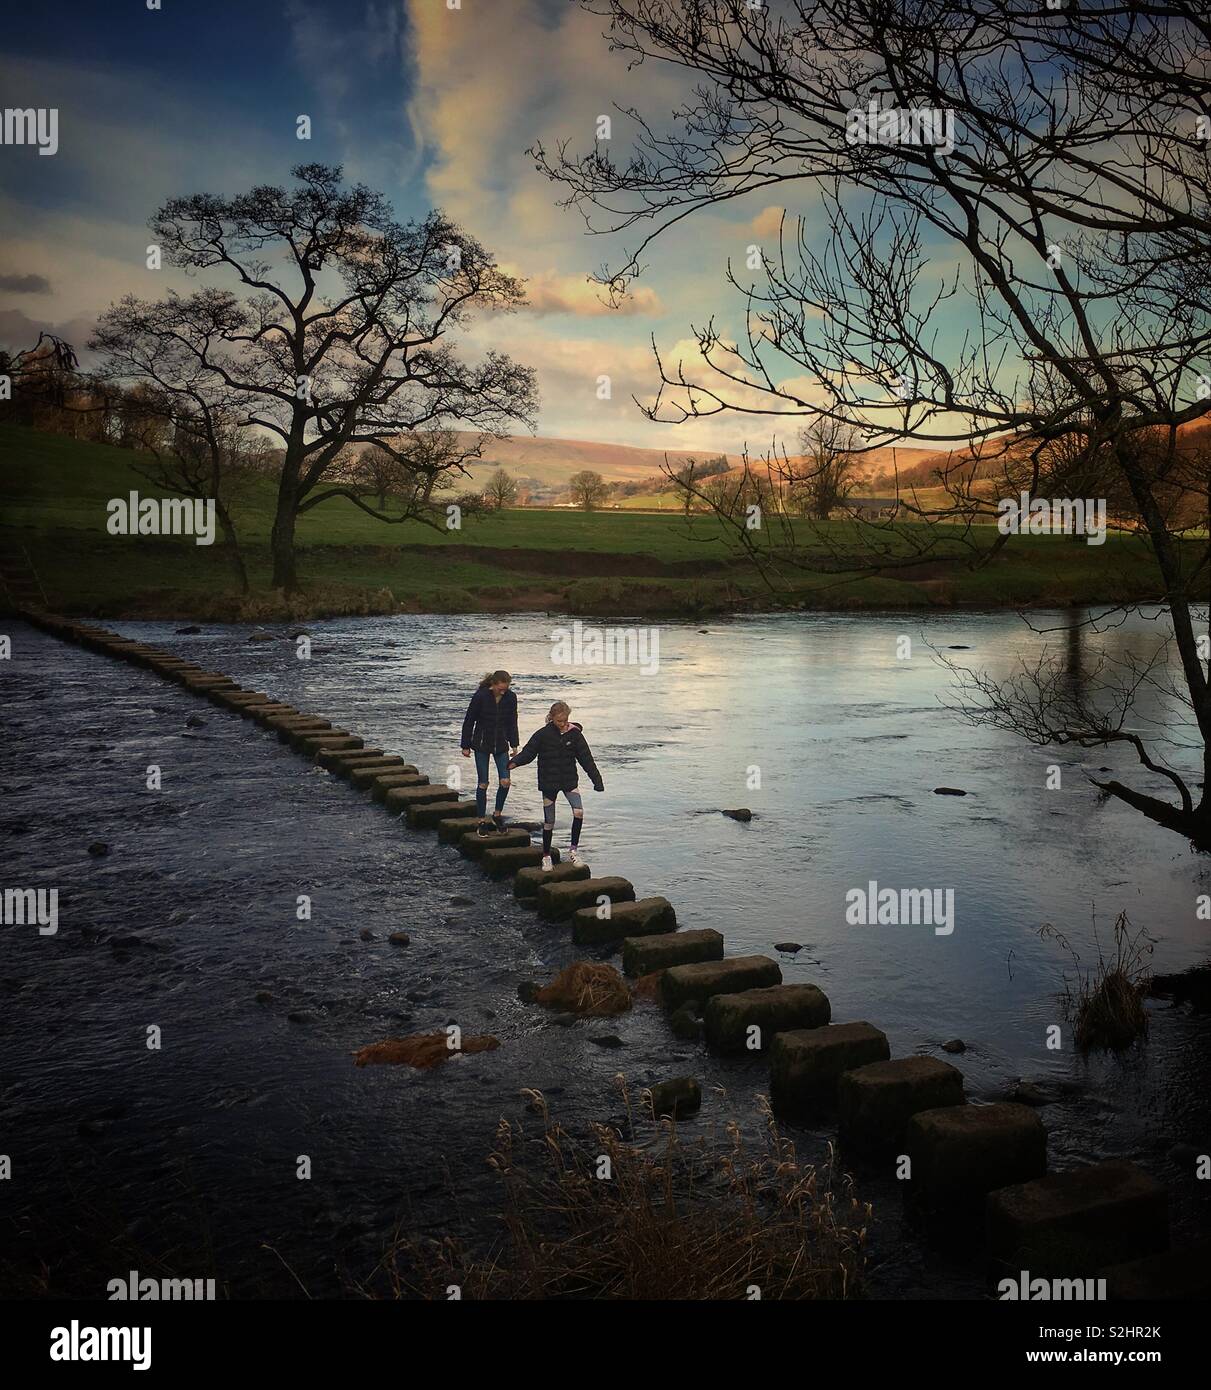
(489, 729)
(559, 746)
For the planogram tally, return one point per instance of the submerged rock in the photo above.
(741, 813)
(422, 1050)
(98, 848)
(949, 791)
(954, 1045)
(400, 938)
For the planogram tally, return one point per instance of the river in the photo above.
(191, 1150)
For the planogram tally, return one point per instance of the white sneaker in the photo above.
(547, 866)
(573, 855)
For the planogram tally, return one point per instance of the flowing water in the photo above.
(833, 740)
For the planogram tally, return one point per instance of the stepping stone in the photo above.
(730, 1019)
(647, 917)
(237, 699)
(678, 1097)
(1071, 1224)
(806, 1064)
(876, 1102)
(405, 776)
(427, 815)
(363, 776)
(963, 1152)
(262, 714)
(641, 955)
(206, 680)
(310, 744)
(1184, 1274)
(681, 983)
(500, 863)
(530, 879)
(288, 724)
(343, 759)
(451, 830)
(474, 845)
(559, 900)
(400, 798)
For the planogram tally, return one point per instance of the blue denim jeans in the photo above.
(481, 774)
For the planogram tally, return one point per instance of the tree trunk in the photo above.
(232, 546)
(281, 543)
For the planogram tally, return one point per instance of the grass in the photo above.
(1106, 1003)
(654, 1218)
(54, 490)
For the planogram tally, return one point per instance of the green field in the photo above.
(54, 490)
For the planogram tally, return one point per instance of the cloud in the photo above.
(551, 292)
(768, 222)
(25, 284)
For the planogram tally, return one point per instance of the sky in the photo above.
(433, 106)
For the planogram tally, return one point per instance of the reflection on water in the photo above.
(811, 722)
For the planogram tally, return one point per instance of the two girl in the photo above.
(490, 727)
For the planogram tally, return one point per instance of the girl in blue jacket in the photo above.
(490, 731)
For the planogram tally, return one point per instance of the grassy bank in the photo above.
(54, 490)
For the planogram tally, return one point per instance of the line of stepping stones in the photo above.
(971, 1166)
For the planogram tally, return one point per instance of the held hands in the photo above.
(466, 752)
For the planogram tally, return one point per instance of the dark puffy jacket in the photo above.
(557, 756)
(491, 725)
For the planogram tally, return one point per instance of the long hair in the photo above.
(493, 676)
(556, 707)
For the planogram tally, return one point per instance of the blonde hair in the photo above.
(492, 677)
(558, 705)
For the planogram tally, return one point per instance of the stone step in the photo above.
(681, 983)
(344, 759)
(310, 744)
(400, 798)
(426, 815)
(641, 955)
(961, 1153)
(806, 1064)
(288, 724)
(473, 844)
(405, 776)
(559, 900)
(262, 714)
(500, 863)
(364, 775)
(876, 1102)
(1068, 1225)
(238, 700)
(451, 830)
(647, 917)
(1177, 1274)
(206, 680)
(750, 1020)
(529, 880)
(676, 1098)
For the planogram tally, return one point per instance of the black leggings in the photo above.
(548, 817)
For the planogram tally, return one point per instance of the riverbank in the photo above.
(53, 506)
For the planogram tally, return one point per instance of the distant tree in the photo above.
(825, 476)
(501, 491)
(589, 489)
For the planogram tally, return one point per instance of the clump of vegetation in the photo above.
(1106, 1003)
(666, 1220)
(589, 988)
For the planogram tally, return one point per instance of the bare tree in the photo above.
(1073, 208)
(501, 491)
(825, 476)
(589, 489)
(344, 333)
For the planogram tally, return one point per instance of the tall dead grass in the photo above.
(653, 1219)
(1106, 1002)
